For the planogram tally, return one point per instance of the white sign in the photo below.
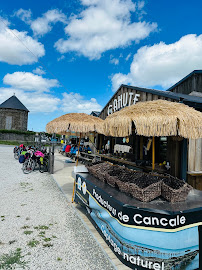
(126, 99)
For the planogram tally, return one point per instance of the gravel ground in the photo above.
(39, 226)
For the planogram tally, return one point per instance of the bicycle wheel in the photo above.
(28, 166)
(16, 155)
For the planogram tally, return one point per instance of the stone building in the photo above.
(13, 115)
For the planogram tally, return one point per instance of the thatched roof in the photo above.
(155, 118)
(75, 122)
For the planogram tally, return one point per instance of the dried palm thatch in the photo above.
(74, 123)
(155, 118)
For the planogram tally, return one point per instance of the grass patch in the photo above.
(8, 260)
(41, 227)
(47, 239)
(28, 232)
(17, 132)
(47, 245)
(24, 184)
(9, 143)
(33, 243)
(59, 259)
(42, 234)
(25, 227)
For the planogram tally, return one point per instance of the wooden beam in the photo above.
(198, 155)
(191, 155)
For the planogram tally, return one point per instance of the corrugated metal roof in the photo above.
(13, 103)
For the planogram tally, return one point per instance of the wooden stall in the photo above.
(172, 153)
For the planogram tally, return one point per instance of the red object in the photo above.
(68, 148)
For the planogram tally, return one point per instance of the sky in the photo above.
(69, 56)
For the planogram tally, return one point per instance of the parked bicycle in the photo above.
(17, 151)
(29, 165)
(36, 160)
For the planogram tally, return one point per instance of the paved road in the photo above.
(38, 226)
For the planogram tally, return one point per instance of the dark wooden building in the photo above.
(95, 113)
(184, 156)
(189, 85)
(13, 115)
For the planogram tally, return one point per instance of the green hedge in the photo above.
(17, 132)
(26, 132)
(15, 143)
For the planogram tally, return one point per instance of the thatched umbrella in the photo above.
(155, 118)
(75, 122)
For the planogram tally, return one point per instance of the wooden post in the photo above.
(177, 159)
(192, 155)
(153, 153)
(73, 193)
(51, 158)
(78, 150)
(141, 147)
(39, 141)
(184, 151)
(198, 155)
(100, 141)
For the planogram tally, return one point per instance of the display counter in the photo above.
(156, 235)
(121, 161)
(131, 164)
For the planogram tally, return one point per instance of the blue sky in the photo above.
(71, 56)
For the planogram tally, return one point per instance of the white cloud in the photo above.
(74, 102)
(13, 52)
(119, 79)
(43, 25)
(35, 103)
(103, 25)
(128, 57)
(29, 82)
(163, 64)
(140, 10)
(39, 71)
(32, 91)
(114, 60)
(48, 103)
(62, 57)
(24, 15)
